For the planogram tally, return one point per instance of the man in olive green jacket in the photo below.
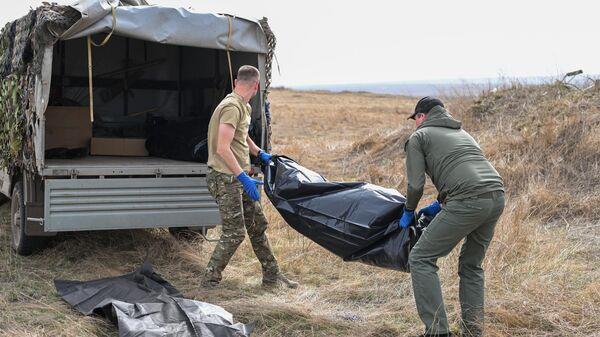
(470, 201)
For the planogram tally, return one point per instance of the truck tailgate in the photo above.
(123, 203)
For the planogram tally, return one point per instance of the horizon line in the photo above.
(480, 80)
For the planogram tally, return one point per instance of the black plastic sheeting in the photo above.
(356, 221)
(143, 304)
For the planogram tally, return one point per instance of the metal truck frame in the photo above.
(49, 196)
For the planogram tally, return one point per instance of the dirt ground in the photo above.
(542, 275)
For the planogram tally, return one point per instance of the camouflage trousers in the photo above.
(239, 214)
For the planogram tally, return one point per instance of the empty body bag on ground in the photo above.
(143, 304)
(356, 221)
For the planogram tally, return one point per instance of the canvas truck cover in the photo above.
(356, 221)
(26, 56)
(177, 26)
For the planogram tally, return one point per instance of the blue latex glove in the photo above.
(250, 186)
(407, 219)
(265, 157)
(431, 210)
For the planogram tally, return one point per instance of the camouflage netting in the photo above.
(11, 120)
(271, 42)
(22, 44)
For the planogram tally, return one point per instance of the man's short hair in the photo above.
(248, 73)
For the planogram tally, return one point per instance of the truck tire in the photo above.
(21, 243)
(183, 233)
(189, 233)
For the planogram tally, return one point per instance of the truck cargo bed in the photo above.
(121, 166)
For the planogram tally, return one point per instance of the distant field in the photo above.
(449, 87)
(542, 270)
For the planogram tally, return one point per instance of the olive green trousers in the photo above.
(474, 220)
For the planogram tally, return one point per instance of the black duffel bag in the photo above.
(356, 221)
(178, 140)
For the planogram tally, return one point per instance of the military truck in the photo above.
(104, 107)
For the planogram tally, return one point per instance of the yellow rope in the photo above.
(89, 50)
(114, 24)
(227, 48)
(91, 43)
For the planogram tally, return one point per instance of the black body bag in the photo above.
(143, 304)
(356, 221)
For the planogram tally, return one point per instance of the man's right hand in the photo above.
(249, 185)
(264, 157)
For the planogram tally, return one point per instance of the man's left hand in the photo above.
(264, 157)
(431, 210)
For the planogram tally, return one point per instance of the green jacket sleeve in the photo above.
(415, 172)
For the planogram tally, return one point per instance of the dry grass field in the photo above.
(542, 270)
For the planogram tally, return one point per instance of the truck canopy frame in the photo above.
(26, 52)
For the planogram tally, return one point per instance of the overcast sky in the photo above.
(337, 41)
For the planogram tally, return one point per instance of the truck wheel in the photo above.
(189, 233)
(21, 243)
(183, 233)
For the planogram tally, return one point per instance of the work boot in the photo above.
(471, 330)
(210, 279)
(208, 283)
(449, 334)
(278, 280)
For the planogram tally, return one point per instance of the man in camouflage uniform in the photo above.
(237, 195)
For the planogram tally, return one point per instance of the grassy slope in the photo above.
(542, 269)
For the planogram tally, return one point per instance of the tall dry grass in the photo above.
(542, 269)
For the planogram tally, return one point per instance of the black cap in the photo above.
(425, 104)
